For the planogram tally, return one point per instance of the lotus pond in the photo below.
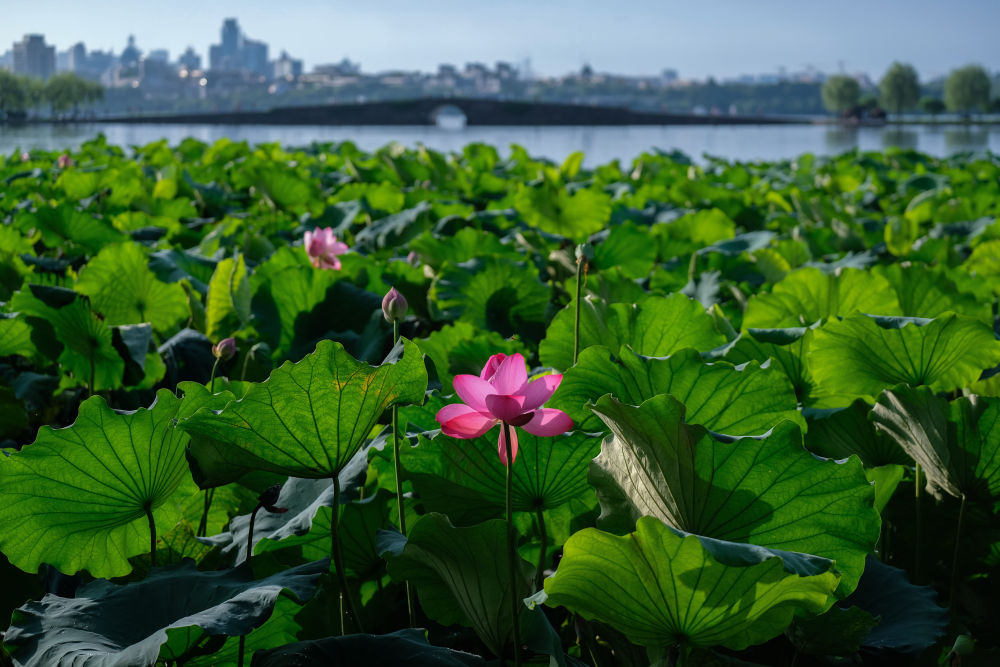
(314, 406)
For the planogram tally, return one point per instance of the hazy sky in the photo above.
(717, 37)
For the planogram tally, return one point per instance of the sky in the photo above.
(721, 38)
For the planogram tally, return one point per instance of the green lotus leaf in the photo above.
(838, 631)
(227, 306)
(746, 400)
(465, 478)
(860, 356)
(278, 630)
(767, 490)
(13, 416)
(77, 497)
(460, 574)
(308, 419)
(123, 288)
(662, 588)
(655, 327)
(628, 247)
(465, 244)
(63, 222)
(555, 210)
(957, 445)
(401, 647)
(837, 433)
(808, 295)
(786, 348)
(925, 291)
(15, 336)
(462, 348)
(158, 618)
(491, 293)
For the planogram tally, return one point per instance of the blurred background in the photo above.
(765, 80)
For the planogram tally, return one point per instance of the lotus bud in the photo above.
(225, 349)
(268, 499)
(64, 161)
(585, 251)
(394, 306)
(25, 156)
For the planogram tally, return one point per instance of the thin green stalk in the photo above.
(211, 382)
(338, 563)
(917, 578)
(203, 524)
(399, 485)
(243, 638)
(954, 557)
(540, 570)
(152, 534)
(246, 360)
(576, 325)
(512, 547)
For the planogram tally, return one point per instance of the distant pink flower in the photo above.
(323, 247)
(64, 161)
(501, 394)
(26, 157)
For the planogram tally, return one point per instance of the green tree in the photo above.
(900, 88)
(67, 91)
(967, 89)
(13, 92)
(840, 93)
(931, 105)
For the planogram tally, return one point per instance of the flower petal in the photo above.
(473, 391)
(511, 375)
(502, 449)
(491, 365)
(538, 391)
(461, 421)
(548, 422)
(505, 408)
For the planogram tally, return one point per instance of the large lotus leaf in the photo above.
(767, 491)
(491, 293)
(227, 305)
(403, 647)
(909, 619)
(786, 348)
(925, 291)
(628, 247)
(957, 445)
(123, 288)
(465, 479)
(860, 356)
(308, 419)
(280, 629)
(745, 400)
(465, 244)
(460, 574)
(808, 295)
(15, 336)
(837, 433)
(77, 497)
(88, 350)
(555, 210)
(655, 327)
(140, 623)
(662, 588)
(63, 222)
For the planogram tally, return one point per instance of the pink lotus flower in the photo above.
(502, 394)
(25, 156)
(64, 161)
(323, 247)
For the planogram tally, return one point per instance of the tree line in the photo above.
(966, 90)
(61, 93)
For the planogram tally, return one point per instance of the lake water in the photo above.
(600, 144)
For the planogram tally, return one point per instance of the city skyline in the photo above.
(555, 38)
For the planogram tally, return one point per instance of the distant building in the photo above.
(7, 60)
(160, 55)
(237, 53)
(32, 57)
(129, 60)
(189, 60)
(286, 67)
(76, 61)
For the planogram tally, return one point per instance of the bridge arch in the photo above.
(448, 116)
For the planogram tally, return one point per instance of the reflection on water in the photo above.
(600, 144)
(965, 139)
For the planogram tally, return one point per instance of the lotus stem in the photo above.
(916, 525)
(954, 557)
(203, 524)
(399, 484)
(512, 545)
(338, 563)
(243, 638)
(580, 261)
(152, 534)
(211, 381)
(540, 571)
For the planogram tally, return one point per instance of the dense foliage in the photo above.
(782, 379)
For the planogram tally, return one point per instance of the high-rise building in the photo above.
(237, 53)
(189, 60)
(77, 61)
(286, 67)
(32, 57)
